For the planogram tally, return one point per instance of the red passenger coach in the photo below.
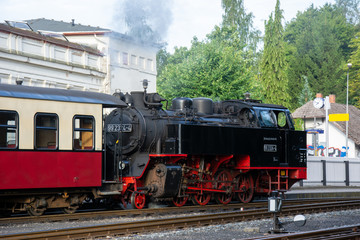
(50, 147)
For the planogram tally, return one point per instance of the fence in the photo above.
(331, 171)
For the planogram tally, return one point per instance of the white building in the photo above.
(314, 121)
(126, 62)
(38, 60)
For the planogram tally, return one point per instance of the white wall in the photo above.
(39, 63)
(337, 139)
(126, 63)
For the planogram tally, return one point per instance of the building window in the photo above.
(125, 58)
(8, 129)
(149, 64)
(83, 136)
(46, 131)
(142, 62)
(133, 60)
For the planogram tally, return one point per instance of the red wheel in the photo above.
(137, 200)
(223, 181)
(203, 198)
(180, 201)
(246, 187)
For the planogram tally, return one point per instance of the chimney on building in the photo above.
(319, 95)
(332, 98)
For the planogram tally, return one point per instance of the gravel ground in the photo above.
(258, 228)
(231, 231)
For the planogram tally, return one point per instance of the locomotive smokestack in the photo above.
(72, 22)
(145, 84)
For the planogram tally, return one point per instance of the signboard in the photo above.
(339, 117)
(315, 130)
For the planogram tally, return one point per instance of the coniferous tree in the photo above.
(306, 93)
(273, 65)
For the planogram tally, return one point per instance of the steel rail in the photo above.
(149, 211)
(347, 232)
(176, 223)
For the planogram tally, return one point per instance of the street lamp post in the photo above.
(349, 65)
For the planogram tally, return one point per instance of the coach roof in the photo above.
(53, 94)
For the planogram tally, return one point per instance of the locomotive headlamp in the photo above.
(145, 84)
(247, 95)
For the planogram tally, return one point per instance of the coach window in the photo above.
(8, 129)
(83, 133)
(46, 131)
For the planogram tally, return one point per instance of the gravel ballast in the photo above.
(240, 230)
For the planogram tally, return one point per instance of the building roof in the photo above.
(308, 111)
(54, 94)
(61, 26)
(72, 28)
(37, 36)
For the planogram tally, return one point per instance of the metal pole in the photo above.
(327, 106)
(347, 112)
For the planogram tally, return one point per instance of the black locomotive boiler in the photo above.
(200, 150)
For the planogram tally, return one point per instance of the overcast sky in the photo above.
(189, 17)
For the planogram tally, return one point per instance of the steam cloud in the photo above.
(144, 20)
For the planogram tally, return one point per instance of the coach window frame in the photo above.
(92, 130)
(46, 128)
(15, 126)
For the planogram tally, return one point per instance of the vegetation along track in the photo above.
(182, 222)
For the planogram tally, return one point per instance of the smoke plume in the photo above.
(144, 20)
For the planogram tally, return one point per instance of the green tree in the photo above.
(354, 72)
(236, 17)
(220, 67)
(306, 93)
(217, 69)
(273, 65)
(317, 46)
(350, 9)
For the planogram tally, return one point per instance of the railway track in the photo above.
(346, 233)
(103, 214)
(136, 227)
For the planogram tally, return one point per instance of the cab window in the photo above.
(268, 118)
(46, 131)
(83, 135)
(272, 118)
(8, 129)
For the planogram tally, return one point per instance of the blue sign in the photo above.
(315, 130)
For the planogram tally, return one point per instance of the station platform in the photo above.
(323, 192)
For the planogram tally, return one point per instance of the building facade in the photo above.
(126, 61)
(86, 58)
(33, 59)
(315, 121)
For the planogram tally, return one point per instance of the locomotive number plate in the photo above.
(270, 148)
(119, 128)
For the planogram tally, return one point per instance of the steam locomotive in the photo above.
(59, 148)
